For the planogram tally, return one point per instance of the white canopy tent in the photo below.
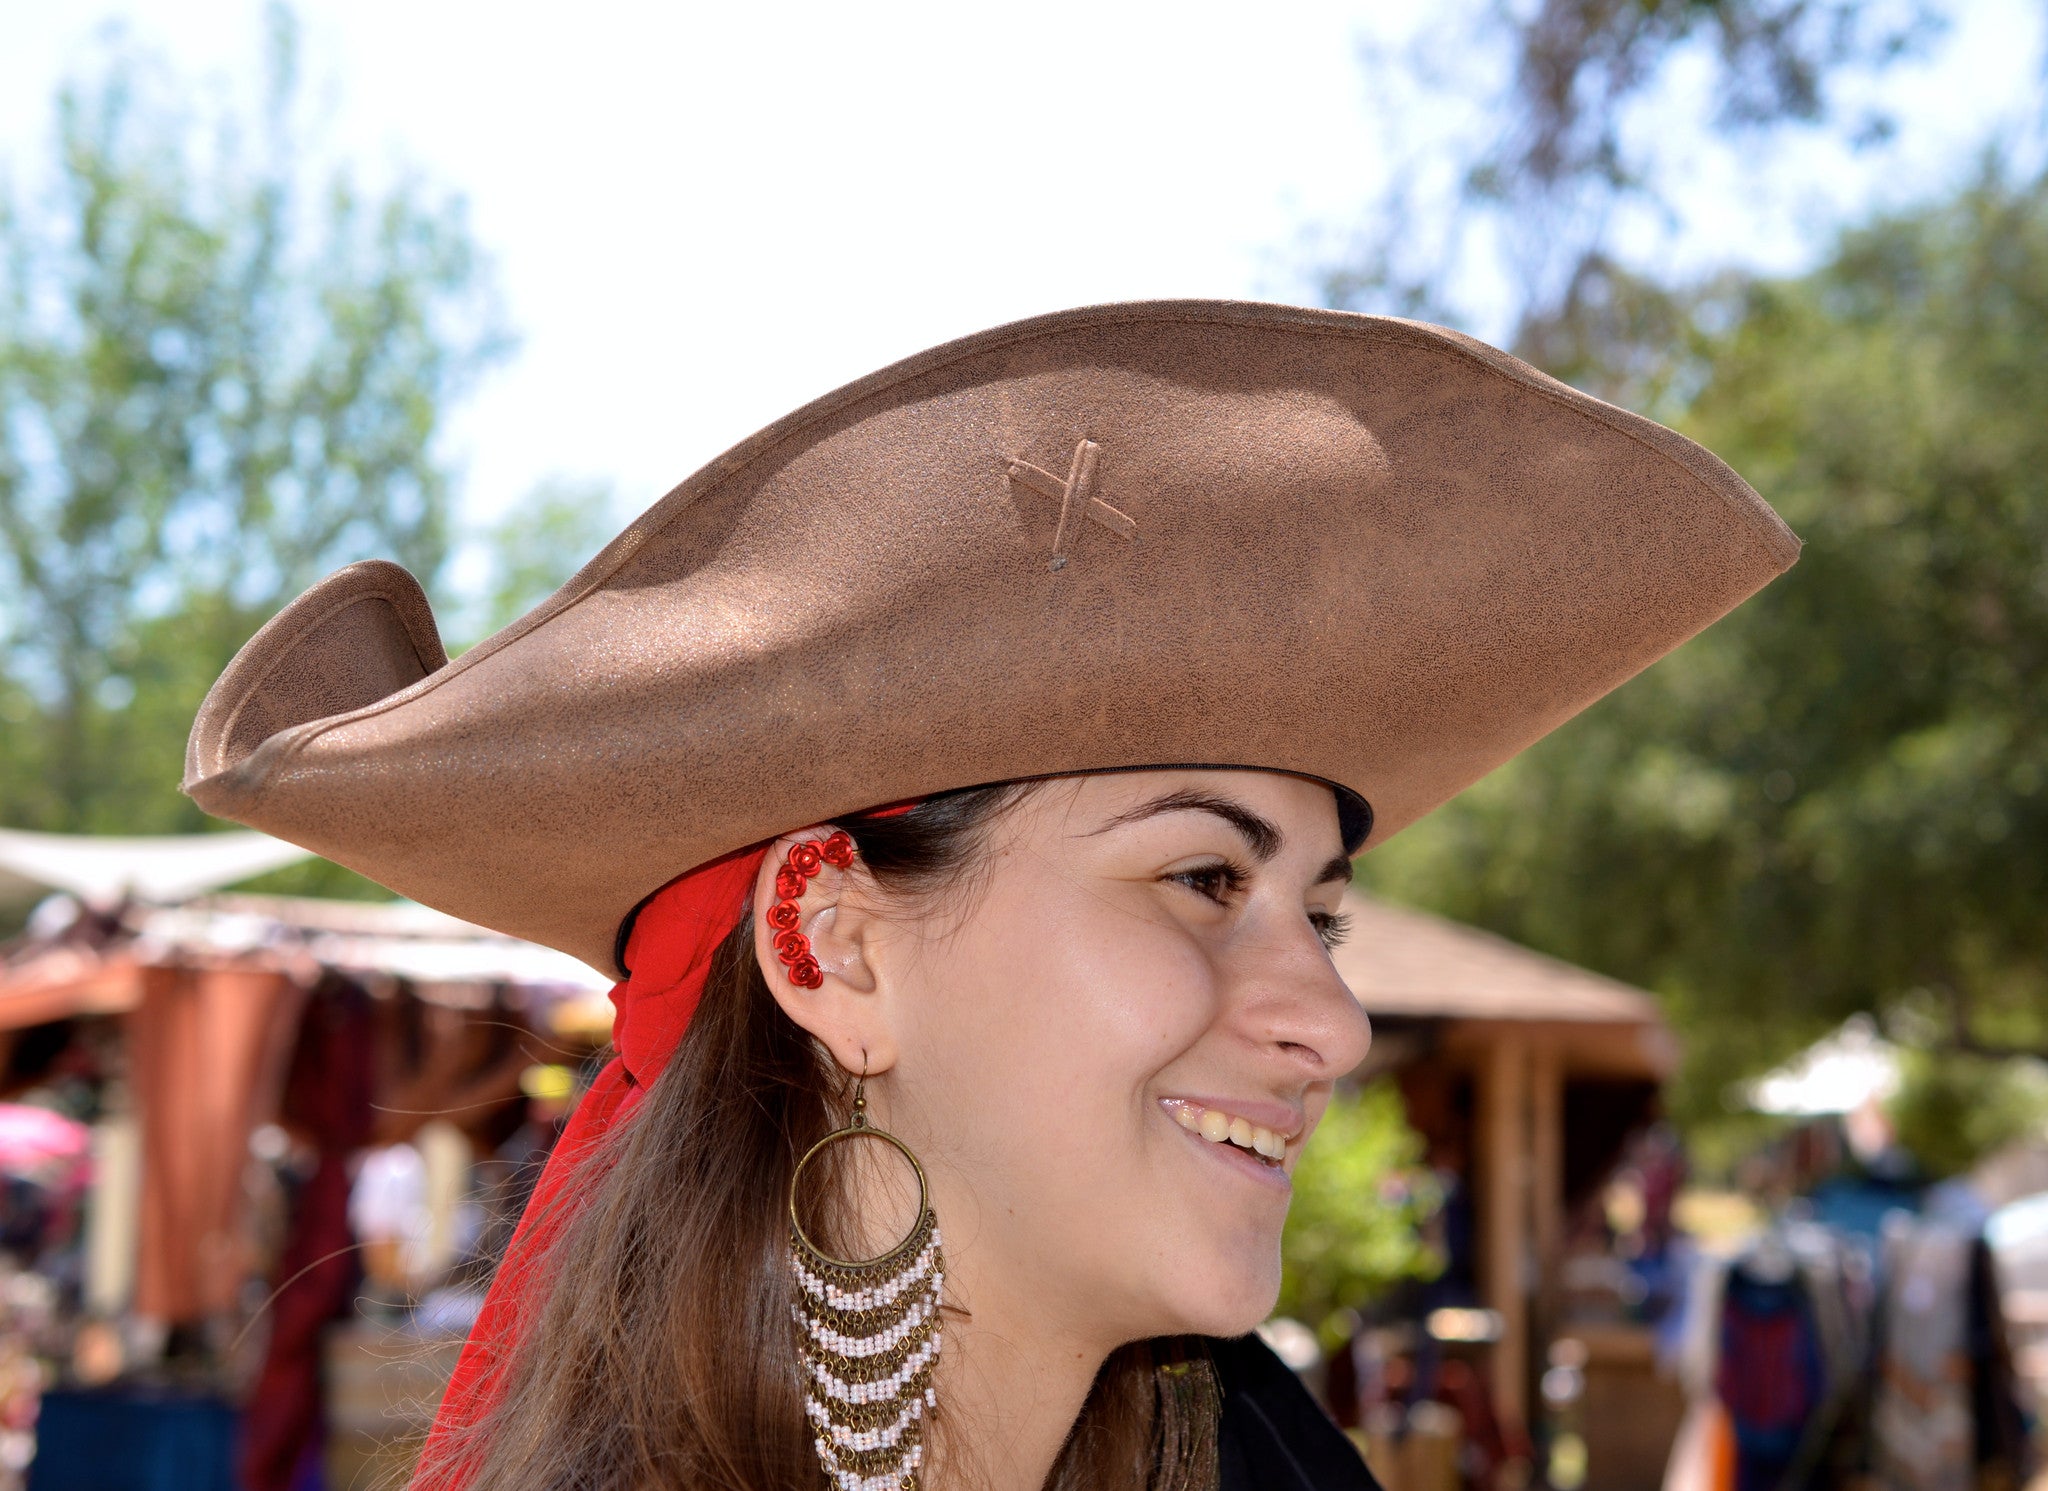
(1840, 1074)
(450, 960)
(164, 869)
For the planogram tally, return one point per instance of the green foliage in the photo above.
(219, 379)
(1951, 1111)
(1836, 799)
(322, 878)
(537, 545)
(1361, 1195)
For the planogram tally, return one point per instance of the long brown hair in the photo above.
(661, 1353)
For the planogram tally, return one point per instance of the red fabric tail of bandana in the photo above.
(667, 959)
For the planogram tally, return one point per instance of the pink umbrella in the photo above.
(34, 1140)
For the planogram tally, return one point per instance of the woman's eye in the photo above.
(1212, 882)
(1332, 926)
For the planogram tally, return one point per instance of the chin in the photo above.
(1226, 1302)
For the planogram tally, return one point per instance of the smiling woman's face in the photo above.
(1135, 976)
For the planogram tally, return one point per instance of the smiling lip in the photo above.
(1244, 1162)
(1249, 1134)
(1282, 1118)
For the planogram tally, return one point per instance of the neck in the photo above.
(1010, 1386)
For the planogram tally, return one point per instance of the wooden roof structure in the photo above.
(1400, 961)
(443, 959)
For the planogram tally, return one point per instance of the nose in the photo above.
(1295, 1004)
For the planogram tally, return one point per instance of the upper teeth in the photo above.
(1219, 1127)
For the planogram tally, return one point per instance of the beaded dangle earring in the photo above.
(867, 1329)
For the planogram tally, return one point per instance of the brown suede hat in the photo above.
(1365, 550)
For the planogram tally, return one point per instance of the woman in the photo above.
(947, 1142)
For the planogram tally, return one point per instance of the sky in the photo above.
(704, 216)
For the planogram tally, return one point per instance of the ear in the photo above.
(845, 1012)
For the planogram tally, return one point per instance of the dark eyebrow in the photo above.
(1337, 869)
(1260, 836)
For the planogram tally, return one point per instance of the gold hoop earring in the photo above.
(868, 1334)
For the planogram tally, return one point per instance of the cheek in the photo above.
(1042, 1024)
(1044, 1029)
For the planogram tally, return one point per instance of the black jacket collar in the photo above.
(1275, 1437)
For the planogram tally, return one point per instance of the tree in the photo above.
(1828, 803)
(1361, 1195)
(1520, 165)
(534, 547)
(219, 379)
(1836, 799)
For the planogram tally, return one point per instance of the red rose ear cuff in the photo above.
(784, 917)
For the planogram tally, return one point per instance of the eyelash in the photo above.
(1332, 926)
(1218, 881)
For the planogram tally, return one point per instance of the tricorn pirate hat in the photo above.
(1360, 549)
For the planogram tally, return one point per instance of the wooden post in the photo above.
(1504, 1218)
(1546, 1181)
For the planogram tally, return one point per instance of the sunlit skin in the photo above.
(1128, 940)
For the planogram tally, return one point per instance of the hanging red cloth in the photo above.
(327, 1098)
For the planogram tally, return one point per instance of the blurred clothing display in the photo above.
(387, 1207)
(1921, 1420)
(326, 1103)
(447, 1165)
(113, 1214)
(507, 1180)
(1816, 1374)
(45, 1172)
(1945, 1412)
(1771, 1377)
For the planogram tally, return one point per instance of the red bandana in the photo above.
(667, 959)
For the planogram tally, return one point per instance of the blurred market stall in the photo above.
(268, 1140)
